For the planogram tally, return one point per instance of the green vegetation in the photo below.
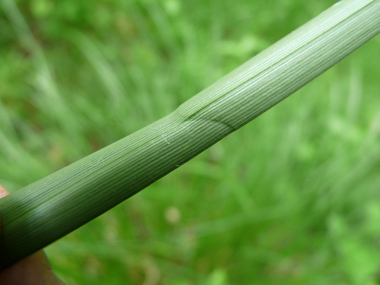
(289, 198)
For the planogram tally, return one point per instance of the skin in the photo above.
(35, 269)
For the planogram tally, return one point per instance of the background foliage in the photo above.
(291, 198)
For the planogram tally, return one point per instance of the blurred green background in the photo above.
(291, 198)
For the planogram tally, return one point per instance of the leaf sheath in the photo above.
(50, 208)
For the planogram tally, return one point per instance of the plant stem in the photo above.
(52, 207)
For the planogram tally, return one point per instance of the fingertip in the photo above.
(3, 192)
(35, 269)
